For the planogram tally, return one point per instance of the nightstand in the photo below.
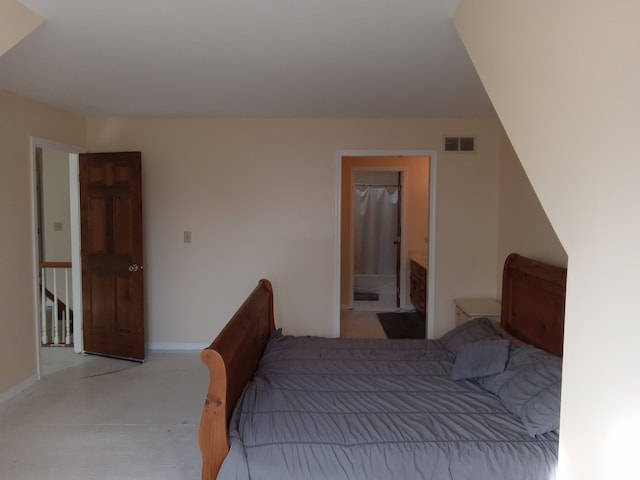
(470, 308)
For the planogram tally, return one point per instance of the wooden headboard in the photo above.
(533, 295)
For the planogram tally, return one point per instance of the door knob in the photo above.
(133, 268)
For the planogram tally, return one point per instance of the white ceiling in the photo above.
(258, 58)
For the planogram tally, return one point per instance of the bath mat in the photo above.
(402, 324)
(365, 297)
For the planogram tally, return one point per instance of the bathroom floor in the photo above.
(362, 321)
(360, 324)
(386, 302)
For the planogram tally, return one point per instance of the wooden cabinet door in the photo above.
(111, 252)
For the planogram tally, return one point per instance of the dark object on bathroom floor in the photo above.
(402, 324)
(365, 297)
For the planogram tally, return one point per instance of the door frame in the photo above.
(433, 156)
(76, 269)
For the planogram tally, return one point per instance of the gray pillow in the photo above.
(479, 359)
(469, 332)
(530, 388)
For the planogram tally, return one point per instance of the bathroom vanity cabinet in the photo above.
(418, 285)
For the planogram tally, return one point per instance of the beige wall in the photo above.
(56, 209)
(467, 227)
(55, 205)
(563, 75)
(415, 201)
(524, 227)
(19, 119)
(260, 197)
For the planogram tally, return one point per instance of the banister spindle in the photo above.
(60, 316)
(43, 308)
(67, 319)
(54, 311)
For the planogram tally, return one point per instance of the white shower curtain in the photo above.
(376, 225)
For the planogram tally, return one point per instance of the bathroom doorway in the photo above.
(363, 292)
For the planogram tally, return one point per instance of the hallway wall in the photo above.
(21, 118)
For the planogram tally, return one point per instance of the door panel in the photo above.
(111, 238)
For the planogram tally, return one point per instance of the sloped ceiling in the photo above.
(16, 22)
(563, 76)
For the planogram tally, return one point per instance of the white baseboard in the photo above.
(175, 346)
(17, 389)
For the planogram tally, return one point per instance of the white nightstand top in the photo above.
(478, 306)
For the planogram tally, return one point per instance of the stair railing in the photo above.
(60, 309)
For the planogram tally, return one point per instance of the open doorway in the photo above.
(410, 174)
(106, 286)
(56, 254)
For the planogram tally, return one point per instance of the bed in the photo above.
(480, 402)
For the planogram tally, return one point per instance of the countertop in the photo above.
(420, 259)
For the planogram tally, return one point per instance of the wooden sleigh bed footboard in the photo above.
(232, 359)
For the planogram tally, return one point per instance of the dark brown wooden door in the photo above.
(111, 244)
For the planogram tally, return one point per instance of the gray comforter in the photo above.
(375, 409)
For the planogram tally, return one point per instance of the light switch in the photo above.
(187, 237)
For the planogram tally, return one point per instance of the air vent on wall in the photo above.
(459, 144)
